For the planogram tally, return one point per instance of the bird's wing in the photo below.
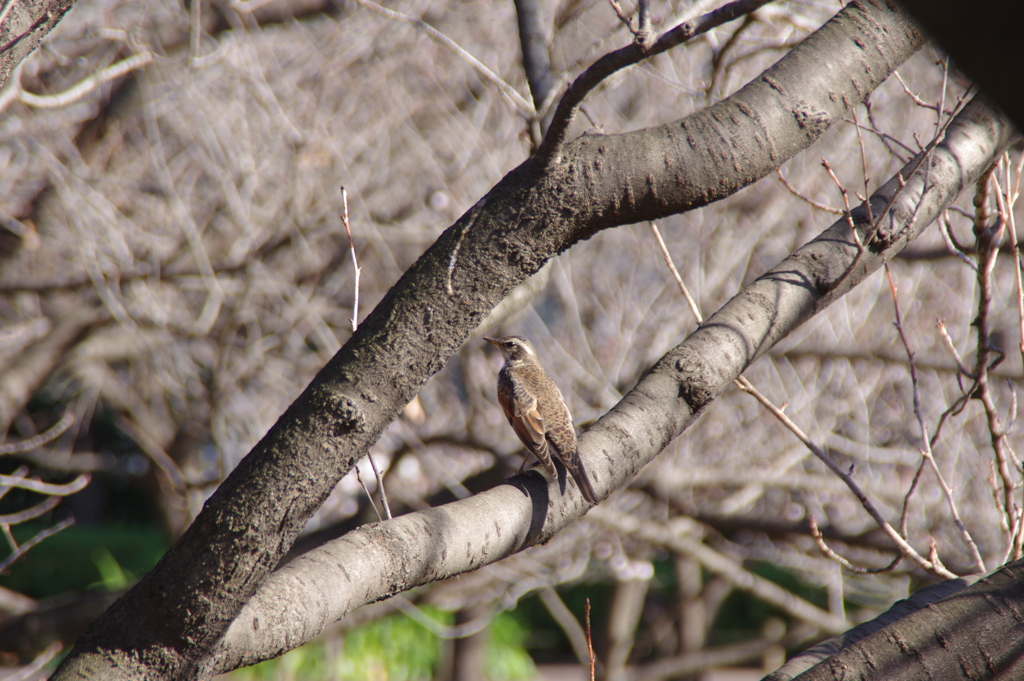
(523, 415)
(528, 412)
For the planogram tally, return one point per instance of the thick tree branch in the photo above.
(379, 560)
(168, 624)
(635, 52)
(975, 632)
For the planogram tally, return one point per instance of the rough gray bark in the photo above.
(24, 26)
(954, 629)
(168, 624)
(378, 560)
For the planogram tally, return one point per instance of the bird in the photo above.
(537, 412)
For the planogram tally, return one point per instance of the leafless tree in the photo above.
(189, 267)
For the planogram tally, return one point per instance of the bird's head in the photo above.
(515, 349)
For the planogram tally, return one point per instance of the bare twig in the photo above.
(819, 539)
(694, 308)
(76, 485)
(44, 657)
(578, 638)
(864, 171)
(795, 192)
(380, 486)
(846, 202)
(65, 422)
(621, 14)
(722, 565)
(946, 230)
(355, 261)
(195, 33)
(20, 551)
(518, 101)
(940, 324)
(988, 239)
(367, 490)
(155, 452)
(916, 98)
(590, 641)
(355, 326)
(928, 565)
(926, 445)
(29, 513)
(568, 106)
(87, 84)
(1011, 199)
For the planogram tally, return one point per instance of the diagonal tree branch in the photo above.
(177, 613)
(381, 559)
(633, 53)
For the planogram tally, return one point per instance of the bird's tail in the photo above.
(579, 474)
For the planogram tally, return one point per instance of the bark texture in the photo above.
(378, 560)
(977, 632)
(24, 26)
(167, 625)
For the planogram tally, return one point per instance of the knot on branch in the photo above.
(340, 415)
(692, 373)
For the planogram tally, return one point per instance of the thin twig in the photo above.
(743, 384)
(380, 486)
(195, 33)
(521, 103)
(1011, 200)
(87, 84)
(570, 626)
(30, 513)
(819, 539)
(55, 431)
(916, 98)
(440, 629)
(721, 564)
(355, 261)
(155, 452)
(355, 326)
(568, 106)
(76, 485)
(590, 640)
(675, 274)
(367, 490)
(946, 230)
(795, 192)
(846, 203)
(988, 239)
(940, 324)
(885, 137)
(905, 514)
(864, 170)
(43, 658)
(931, 566)
(40, 536)
(621, 14)
(926, 447)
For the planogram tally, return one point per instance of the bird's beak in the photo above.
(492, 341)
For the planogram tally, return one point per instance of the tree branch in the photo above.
(381, 559)
(177, 613)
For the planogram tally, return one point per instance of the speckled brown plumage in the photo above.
(535, 408)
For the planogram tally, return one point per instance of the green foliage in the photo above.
(84, 556)
(112, 576)
(506, 653)
(394, 648)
